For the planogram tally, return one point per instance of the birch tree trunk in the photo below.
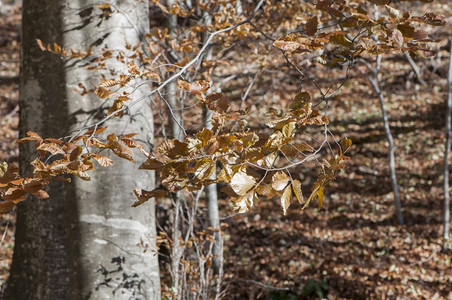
(85, 241)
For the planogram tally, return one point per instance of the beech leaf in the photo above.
(345, 145)
(286, 198)
(280, 181)
(244, 203)
(311, 26)
(204, 168)
(6, 206)
(397, 37)
(296, 186)
(288, 129)
(103, 160)
(241, 183)
(144, 195)
(51, 147)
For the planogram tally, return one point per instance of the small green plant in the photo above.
(281, 295)
(319, 288)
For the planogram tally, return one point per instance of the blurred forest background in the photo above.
(352, 247)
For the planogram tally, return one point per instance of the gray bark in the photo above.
(212, 189)
(395, 187)
(446, 209)
(176, 119)
(85, 241)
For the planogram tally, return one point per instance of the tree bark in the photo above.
(85, 241)
(395, 186)
(446, 209)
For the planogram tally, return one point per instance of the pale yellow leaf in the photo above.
(288, 129)
(244, 203)
(296, 186)
(280, 181)
(241, 183)
(286, 198)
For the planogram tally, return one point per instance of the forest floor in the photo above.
(353, 247)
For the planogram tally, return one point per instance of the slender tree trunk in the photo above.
(395, 187)
(85, 241)
(212, 190)
(446, 209)
(175, 114)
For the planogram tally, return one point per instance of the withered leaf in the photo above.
(280, 180)
(296, 186)
(95, 131)
(241, 183)
(244, 203)
(345, 145)
(117, 105)
(288, 129)
(204, 169)
(41, 194)
(379, 2)
(151, 164)
(199, 87)
(6, 206)
(311, 26)
(109, 83)
(397, 37)
(53, 148)
(103, 160)
(41, 45)
(286, 198)
(144, 195)
(103, 92)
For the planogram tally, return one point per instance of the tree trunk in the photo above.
(395, 186)
(446, 209)
(85, 241)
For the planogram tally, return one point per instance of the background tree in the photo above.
(85, 241)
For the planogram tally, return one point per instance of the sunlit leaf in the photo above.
(286, 198)
(397, 37)
(103, 92)
(53, 148)
(296, 186)
(320, 196)
(103, 160)
(199, 87)
(103, 6)
(204, 169)
(131, 143)
(109, 83)
(117, 105)
(241, 183)
(393, 13)
(288, 129)
(244, 203)
(41, 45)
(345, 145)
(280, 180)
